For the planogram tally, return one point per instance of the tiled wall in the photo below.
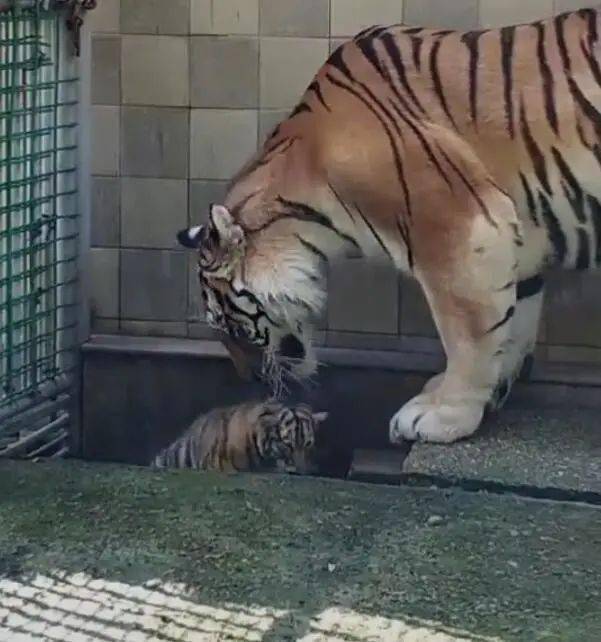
(183, 91)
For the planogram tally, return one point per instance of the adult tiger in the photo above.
(470, 160)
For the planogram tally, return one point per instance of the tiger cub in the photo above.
(254, 436)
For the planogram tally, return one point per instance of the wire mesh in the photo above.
(38, 234)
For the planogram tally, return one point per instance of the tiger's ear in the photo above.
(222, 223)
(320, 417)
(191, 237)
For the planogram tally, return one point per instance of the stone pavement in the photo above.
(552, 451)
(101, 552)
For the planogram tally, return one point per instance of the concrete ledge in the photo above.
(404, 361)
(548, 449)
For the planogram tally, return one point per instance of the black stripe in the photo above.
(374, 232)
(429, 152)
(507, 35)
(370, 32)
(312, 248)
(395, 151)
(471, 41)
(531, 203)
(299, 109)
(538, 160)
(592, 42)
(583, 259)
(438, 88)
(395, 55)
(546, 78)
(592, 63)
(556, 236)
(575, 195)
(585, 105)
(368, 50)
(530, 287)
(337, 61)
(508, 315)
(316, 89)
(416, 46)
(342, 203)
(595, 207)
(302, 212)
(412, 31)
(470, 188)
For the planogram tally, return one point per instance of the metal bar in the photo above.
(21, 445)
(34, 411)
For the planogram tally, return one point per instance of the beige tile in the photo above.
(154, 285)
(105, 202)
(221, 141)
(104, 282)
(224, 72)
(155, 70)
(498, 14)
(416, 318)
(574, 5)
(574, 354)
(106, 66)
(155, 16)
(573, 310)
(457, 14)
(201, 331)
(155, 142)
(202, 195)
(105, 141)
(154, 328)
(268, 120)
(104, 326)
(224, 17)
(152, 211)
(295, 18)
(104, 18)
(287, 68)
(351, 16)
(362, 341)
(362, 297)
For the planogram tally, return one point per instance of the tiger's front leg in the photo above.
(471, 290)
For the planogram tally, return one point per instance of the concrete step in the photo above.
(378, 466)
(553, 452)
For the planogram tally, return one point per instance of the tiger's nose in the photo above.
(292, 348)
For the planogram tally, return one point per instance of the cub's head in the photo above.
(263, 313)
(292, 432)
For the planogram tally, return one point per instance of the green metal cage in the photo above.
(38, 234)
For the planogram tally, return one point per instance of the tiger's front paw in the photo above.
(426, 418)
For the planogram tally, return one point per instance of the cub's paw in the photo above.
(428, 419)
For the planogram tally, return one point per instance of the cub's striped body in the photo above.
(253, 436)
(470, 160)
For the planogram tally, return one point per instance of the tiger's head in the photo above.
(250, 313)
(291, 433)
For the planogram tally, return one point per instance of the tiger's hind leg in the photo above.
(470, 285)
(519, 349)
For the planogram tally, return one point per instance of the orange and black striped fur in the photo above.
(254, 436)
(471, 161)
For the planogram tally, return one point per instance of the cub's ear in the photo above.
(320, 417)
(229, 233)
(191, 237)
